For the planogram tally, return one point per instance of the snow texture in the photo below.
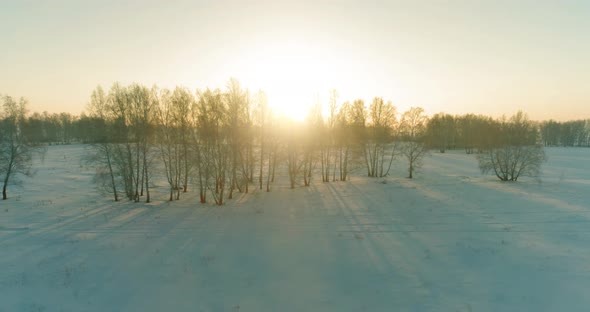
(448, 240)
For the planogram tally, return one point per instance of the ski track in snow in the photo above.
(448, 240)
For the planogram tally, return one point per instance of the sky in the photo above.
(483, 57)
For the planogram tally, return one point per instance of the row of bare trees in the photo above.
(568, 133)
(51, 128)
(208, 139)
(476, 133)
(226, 141)
(473, 133)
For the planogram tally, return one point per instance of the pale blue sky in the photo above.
(488, 57)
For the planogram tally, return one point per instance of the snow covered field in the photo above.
(449, 240)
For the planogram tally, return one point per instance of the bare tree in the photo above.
(141, 105)
(293, 145)
(357, 118)
(102, 151)
(122, 148)
(345, 137)
(202, 142)
(378, 151)
(16, 151)
(169, 140)
(247, 136)
(519, 152)
(214, 153)
(222, 153)
(272, 143)
(182, 102)
(175, 129)
(327, 139)
(202, 139)
(261, 122)
(413, 126)
(237, 102)
(310, 144)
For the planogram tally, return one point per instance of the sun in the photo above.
(292, 76)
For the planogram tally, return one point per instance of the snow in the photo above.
(448, 240)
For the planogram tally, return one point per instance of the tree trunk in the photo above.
(274, 165)
(137, 157)
(142, 178)
(268, 172)
(7, 176)
(147, 184)
(251, 161)
(186, 164)
(322, 160)
(261, 164)
(109, 163)
(334, 167)
(345, 164)
(4, 189)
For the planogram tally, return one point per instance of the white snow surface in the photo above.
(448, 240)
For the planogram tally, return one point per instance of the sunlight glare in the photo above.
(292, 77)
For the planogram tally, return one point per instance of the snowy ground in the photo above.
(449, 240)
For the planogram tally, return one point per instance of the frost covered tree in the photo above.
(518, 152)
(16, 151)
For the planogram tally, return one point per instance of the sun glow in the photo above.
(293, 77)
(296, 75)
